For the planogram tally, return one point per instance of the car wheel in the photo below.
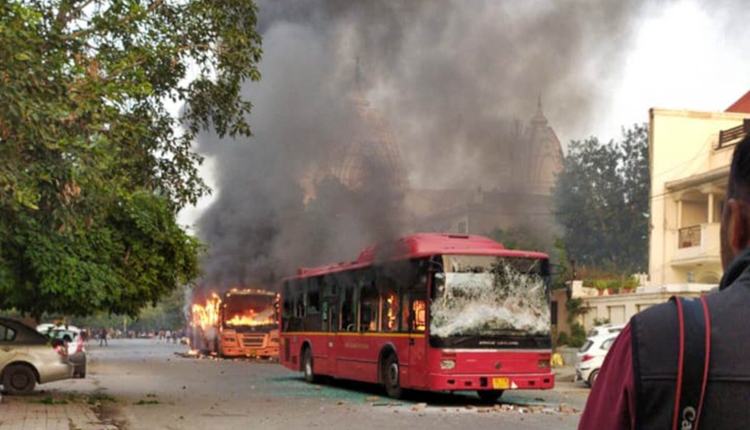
(307, 365)
(489, 396)
(19, 379)
(592, 377)
(390, 372)
(80, 371)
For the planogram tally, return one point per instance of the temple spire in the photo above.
(539, 117)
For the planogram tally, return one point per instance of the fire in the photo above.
(250, 318)
(206, 316)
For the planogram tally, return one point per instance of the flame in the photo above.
(250, 318)
(206, 316)
(391, 304)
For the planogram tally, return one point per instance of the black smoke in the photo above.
(444, 79)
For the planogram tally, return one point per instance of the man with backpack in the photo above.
(684, 363)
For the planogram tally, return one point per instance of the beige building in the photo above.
(689, 155)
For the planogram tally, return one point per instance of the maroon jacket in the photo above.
(611, 403)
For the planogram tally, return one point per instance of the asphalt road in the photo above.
(145, 385)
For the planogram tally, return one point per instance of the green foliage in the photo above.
(577, 335)
(94, 166)
(522, 238)
(575, 309)
(167, 314)
(602, 201)
(576, 338)
(616, 285)
(562, 269)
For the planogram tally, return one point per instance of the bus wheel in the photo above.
(489, 396)
(307, 365)
(390, 374)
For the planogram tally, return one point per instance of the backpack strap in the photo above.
(692, 366)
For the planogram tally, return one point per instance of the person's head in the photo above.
(735, 220)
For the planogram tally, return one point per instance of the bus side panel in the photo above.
(353, 358)
(322, 358)
(418, 362)
(290, 347)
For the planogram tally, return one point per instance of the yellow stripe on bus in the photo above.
(318, 333)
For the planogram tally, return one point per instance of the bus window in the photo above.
(349, 308)
(370, 308)
(311, 316)
(414, 313)
(312, 298)
(389, 320)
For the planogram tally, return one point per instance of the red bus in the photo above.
(240, 323)
(436, 312)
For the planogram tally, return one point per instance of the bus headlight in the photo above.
(447, 364)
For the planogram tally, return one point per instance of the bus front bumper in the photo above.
(233, 351)
(463, 382)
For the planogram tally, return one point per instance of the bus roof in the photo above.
(248, 292)
(422, 245)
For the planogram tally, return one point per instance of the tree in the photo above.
(94, 167)
(602, 202)
(522, 237)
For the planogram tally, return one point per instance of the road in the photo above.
(145, 385)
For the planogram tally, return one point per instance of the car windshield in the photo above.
(585, 347)
(488, 295)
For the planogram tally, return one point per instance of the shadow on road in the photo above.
(375, 393)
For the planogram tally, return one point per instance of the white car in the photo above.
(605, 330)
(591, 357)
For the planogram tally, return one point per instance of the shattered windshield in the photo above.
(489, 296)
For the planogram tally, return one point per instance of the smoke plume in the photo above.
(437, 83)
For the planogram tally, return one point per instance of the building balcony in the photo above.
(697, 244)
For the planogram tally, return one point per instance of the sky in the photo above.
(685, 55)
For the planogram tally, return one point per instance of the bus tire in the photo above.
(390, 372)
(307, 365)
(489, 396)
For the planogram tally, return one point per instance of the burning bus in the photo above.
(240, 323)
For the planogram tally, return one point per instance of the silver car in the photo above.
(27, 358)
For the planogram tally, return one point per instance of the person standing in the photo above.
(637, 386)
(103, 337)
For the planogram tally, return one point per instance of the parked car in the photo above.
(605, 330)
(73, 341)
(591, 357)
(28, 358)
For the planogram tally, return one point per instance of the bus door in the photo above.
(414, 313)
(347, 340)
